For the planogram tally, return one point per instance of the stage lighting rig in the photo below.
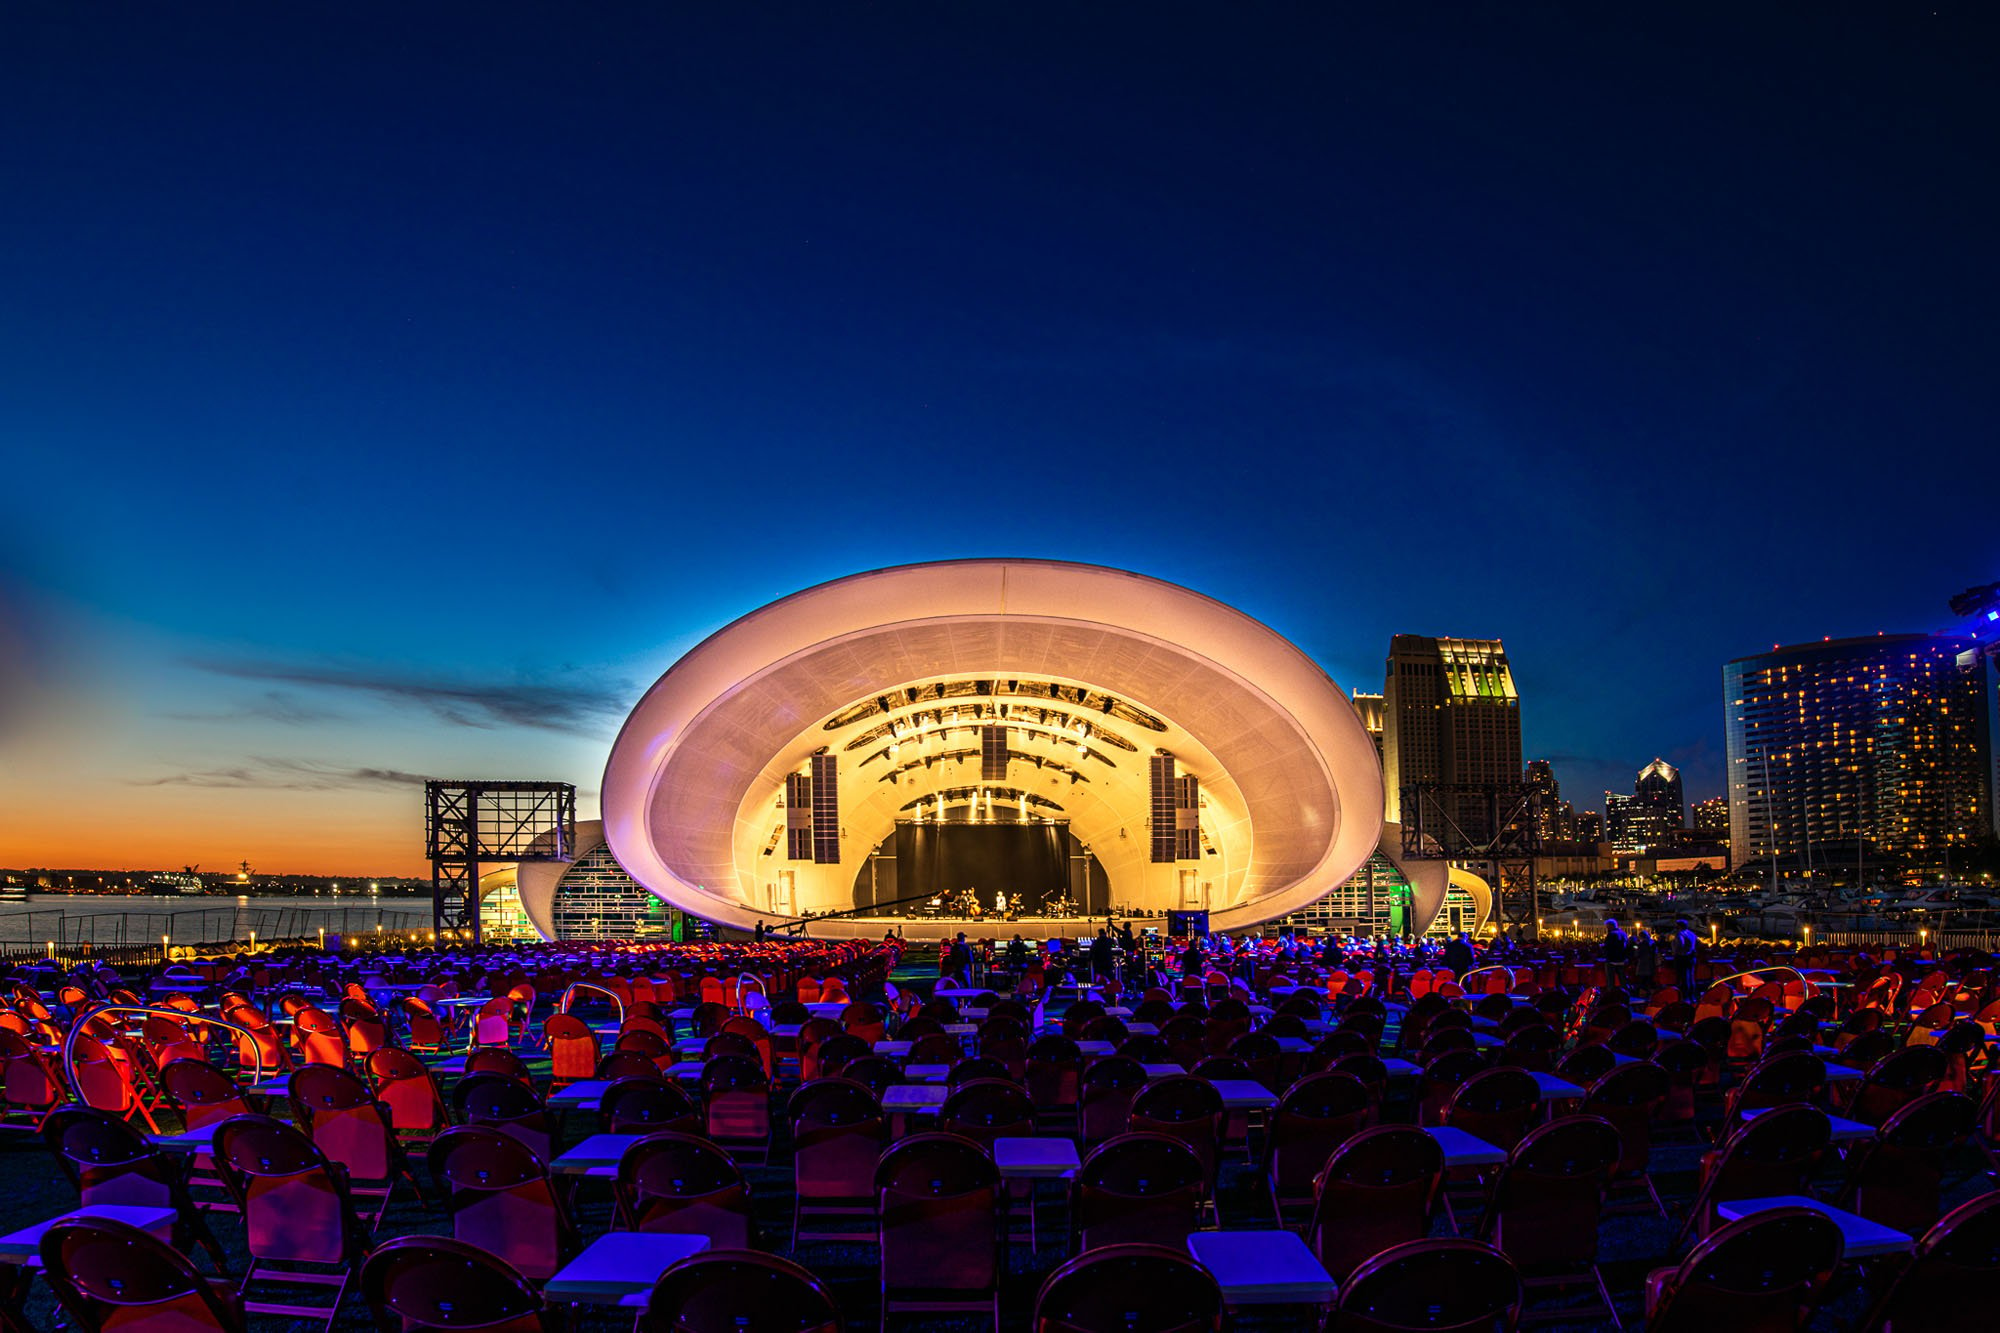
(1982, 602)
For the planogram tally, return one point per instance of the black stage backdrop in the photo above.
(1027, 862)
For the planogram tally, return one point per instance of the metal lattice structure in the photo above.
(467, 824)
(1491, 828)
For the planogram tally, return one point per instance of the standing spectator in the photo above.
(1645, 960)
(1017, 955)
(1102, 962)
(1687, 945)
(1617, 952)
(1459, 955)
(958, 962)
(1193, 964)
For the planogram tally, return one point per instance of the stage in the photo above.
(933, 928)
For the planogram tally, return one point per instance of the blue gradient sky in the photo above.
(396, 390)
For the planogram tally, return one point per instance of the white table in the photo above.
(688, 1071)
(621, 1267)
(826, 1009)
(24, 1246)
(961, 1029)
(1839, 1130)
(926, 1073)
(1294, 1045)
(583, 1095)
(1243, 1094)
(277, 1086)
(1402, 1068)
(1262, 1267)
(1094, 1047)
(1463, 1149)
(597, 1155)
(1844, 1073)
(1140, 1028)
(1163, 1070)
(193, 1140)
(1557, 1089)
(913, 1097)
(1036, 1159)
(1864, 1238)
(895, 1050)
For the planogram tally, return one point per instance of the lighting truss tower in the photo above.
(467, 824)
(1493, 828)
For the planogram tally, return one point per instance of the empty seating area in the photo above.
(825, 1136)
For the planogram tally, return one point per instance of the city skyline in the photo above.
(410, 425)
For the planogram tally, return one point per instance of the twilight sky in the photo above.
(391, 390)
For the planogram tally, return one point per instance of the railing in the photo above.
(562, 1005)
(1988, 940)
(1811, 987)
(1490, 967)
(124, 936)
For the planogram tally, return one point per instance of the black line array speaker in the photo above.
(825, 810)
(993, 754)
(1163, 802)
(1187, 819)
(798, 817)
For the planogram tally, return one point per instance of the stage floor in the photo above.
(984, 928)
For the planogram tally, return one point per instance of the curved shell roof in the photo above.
(1292, 790)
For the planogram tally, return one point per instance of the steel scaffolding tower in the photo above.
(467, 824)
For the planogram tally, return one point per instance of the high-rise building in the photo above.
(1881, 741)
(1709, 820)
(1564, 823)
(1619, 830)
(1652, 816)
(1658, 787)
(1589, 826)
(1451, 716)
(1541, 776)
(1369, 708)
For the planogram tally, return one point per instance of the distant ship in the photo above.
(167, 883)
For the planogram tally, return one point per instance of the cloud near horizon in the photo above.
(287, 775)
(581, 709)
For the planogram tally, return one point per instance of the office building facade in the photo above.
(1450, 715)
